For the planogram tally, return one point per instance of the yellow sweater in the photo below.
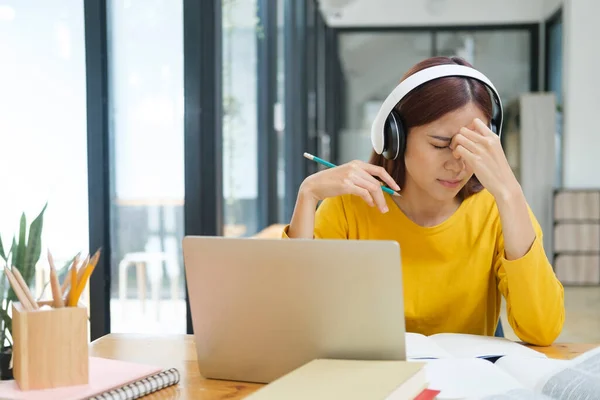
(455, 273)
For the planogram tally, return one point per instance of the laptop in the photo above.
(261, 308)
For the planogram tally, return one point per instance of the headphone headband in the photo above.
(416, 80)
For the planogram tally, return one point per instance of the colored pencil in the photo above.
(330, 165)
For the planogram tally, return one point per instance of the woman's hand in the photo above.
(481, 150)
(355, 177)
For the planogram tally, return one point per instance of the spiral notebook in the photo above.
(109, 379)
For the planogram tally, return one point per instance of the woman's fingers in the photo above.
(352, 188)
(366, 181)
(467, 139)
(375, 170)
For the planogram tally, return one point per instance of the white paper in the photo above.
(516, 394)
(530, 371)
(422, 347)
(463, 378)
(469, 346)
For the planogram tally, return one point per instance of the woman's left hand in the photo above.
(481, 150)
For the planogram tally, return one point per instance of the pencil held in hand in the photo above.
(330, 165)
(356, 178)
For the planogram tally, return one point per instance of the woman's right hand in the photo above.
(355, 177)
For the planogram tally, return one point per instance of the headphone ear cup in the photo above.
(394, 137)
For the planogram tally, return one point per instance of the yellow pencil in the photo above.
(73, 283)
(67, 280)
(84, 277)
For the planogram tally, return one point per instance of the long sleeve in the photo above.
(533, 293)
(330, 220)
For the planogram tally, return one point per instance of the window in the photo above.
(280, 112)
(43, 126)
(145, 52)
(240, 169)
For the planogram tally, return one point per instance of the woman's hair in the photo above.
(431, 101)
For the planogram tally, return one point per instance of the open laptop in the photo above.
(263, 307)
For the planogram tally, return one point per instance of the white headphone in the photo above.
(388, 135)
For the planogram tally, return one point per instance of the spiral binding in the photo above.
(143, 387)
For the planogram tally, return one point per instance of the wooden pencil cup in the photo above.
(50, 347)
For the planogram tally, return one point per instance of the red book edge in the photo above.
(427, 394)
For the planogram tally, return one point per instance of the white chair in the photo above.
(149, 264)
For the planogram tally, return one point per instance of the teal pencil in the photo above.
(330, 165)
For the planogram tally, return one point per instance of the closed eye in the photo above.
(441, 139)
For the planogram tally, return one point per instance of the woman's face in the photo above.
(431, 169)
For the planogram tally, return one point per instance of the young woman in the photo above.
(466, 232)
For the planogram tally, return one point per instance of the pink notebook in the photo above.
(105, 375)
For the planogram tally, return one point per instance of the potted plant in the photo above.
(24, 254)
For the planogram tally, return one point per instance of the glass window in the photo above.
(43, 126)
(240, 168)
(145, 52)
(280, 111)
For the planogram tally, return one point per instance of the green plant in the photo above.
(24, 254)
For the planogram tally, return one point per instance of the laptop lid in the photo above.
(263, 307)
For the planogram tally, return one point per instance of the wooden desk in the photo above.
(179, 351)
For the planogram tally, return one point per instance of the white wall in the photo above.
(432, 12)
(582, 102)
(549, 7)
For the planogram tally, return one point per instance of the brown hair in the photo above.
(431, 101)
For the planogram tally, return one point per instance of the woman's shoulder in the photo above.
(342, 202)
(348, 206)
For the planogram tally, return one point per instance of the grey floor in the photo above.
(582, 321)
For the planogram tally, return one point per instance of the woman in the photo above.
(466, 232)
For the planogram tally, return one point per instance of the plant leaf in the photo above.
(11, 296)
(2, 250)
(20, 253)
(62, 273)
(7, 320)
(3, 281)
(34, 248)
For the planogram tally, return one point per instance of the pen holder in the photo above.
(50, 347)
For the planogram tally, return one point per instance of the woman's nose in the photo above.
(454, 164)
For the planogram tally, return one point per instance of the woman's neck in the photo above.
(423, 209)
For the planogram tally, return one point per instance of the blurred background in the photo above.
(141, 121)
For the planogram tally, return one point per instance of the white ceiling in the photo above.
(356, 13)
